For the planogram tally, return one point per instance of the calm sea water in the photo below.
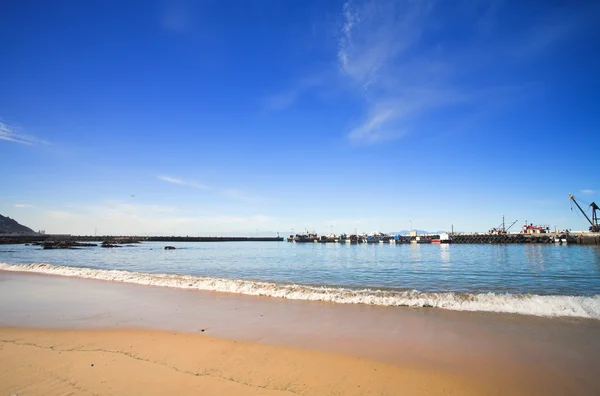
(515, 269)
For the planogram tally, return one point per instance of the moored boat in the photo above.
(303, 238)
(444, 238)
(422, 239)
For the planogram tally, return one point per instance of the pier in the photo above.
(588, 238)
(569, 239)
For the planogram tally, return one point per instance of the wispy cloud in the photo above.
(287, 98)
(374, 33)
(61, 214)
(374, 129)
(402, 57)
(11, 134)
(388, 119)
(21, 205)
(231, 193)
(130, 208)
(377, 52)
(240, 195)
(588, 192)
(192, 184)
(121, 218)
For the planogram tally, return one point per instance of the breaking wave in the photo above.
(525, 304)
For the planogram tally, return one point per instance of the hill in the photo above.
(10, 226)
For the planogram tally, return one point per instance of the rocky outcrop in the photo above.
(117, 241)
(109, 244)
(65, 244)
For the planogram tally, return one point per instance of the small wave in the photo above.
(525, 304)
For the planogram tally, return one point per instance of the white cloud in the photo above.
(374, 34)
(239, 195)
(289, 97)
(118, 218)
(588, 192)
(390, 119)
(60, 215)
(132, 209)
(373, 130)
(10, 134)
(174, 180)
(231, 193)
(402, 57)
(377, 52)
(282, 100)
(20, 205)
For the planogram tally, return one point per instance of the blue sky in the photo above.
(217, 117)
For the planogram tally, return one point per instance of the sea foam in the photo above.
(525, 304)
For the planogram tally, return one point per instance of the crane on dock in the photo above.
(510, 226)
(501, 229)
(594, 226)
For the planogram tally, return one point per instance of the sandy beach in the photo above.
(140, 362)
(153, 340)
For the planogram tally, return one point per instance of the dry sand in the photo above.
(141, 362)
(149, 362)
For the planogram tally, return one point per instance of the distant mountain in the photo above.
(10, 226)
(406, 232)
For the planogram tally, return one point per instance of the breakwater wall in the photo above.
(213, 239)
(17, 239)
(499, 239)
(571, 239)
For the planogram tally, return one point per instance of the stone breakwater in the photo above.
(64, 240)
(579, 239)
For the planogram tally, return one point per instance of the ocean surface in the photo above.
(543, 280)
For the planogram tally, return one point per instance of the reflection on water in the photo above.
(415, 256)
(415, 251)
(535, 256)
(536, 269)
(596, 251)
(501, 253)
(445, 255)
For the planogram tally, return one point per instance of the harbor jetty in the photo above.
(562, 238)
(75, 240)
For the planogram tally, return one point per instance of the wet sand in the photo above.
(422, 350)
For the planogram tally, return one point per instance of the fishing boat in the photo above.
(303, 238)
(422, 239)
(401, 239)
(373, 239)
(444, 238)
(353, 238)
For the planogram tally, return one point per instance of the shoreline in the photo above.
(503, 351)
(587, 307)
